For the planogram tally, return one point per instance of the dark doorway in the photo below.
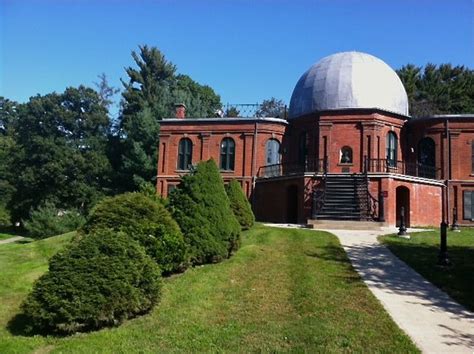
(403, 200)
(292, 204)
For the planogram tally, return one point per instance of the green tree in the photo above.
(202, 209)
(240, 205)
(149, 95)
(272, 108)
(232, 112)
(105, 91)
(8, 148)
(61, 143)
(201, 101)
(439, 89)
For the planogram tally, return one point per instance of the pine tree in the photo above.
(443, 89)
(240, 205)
(202, 209)
(149, 95)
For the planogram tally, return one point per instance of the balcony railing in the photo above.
(295, 168)
(402, 167)
(370, 166)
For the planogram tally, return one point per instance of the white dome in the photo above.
(348, 80)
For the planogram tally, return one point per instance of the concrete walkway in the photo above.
(12, 239)
(435, 322)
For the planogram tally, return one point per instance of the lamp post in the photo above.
(455, 225)
(402, 230)
(443, 259)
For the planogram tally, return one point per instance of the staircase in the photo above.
(344, 198)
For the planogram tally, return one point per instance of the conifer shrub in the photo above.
(202, 209)
(4, 217)
(98, 281)
(240, 205)
(145, 220)
(47, 220)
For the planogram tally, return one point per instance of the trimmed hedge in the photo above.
(98, 281)
(48, 221)
(202, 209)
(145, 220)
(240, 205)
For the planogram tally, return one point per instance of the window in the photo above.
(346, 155)
(392, 146)
(227, 154)
(426, 158)
(472, 156)
(468, 197)
(185, 154)
(273, 152)
(302, 149)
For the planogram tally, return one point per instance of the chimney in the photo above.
(180, 110)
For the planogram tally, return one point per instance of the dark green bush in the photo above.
(4, 217)
(202, 209)
(147, 221)
(48, 220)
(240, 205)
(100, 280)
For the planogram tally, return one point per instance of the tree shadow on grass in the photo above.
(457, 280)
(13, 231)
(19, 325)
(23, 242)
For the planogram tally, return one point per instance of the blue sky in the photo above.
(246, 50)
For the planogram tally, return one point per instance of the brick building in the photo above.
(348, 150)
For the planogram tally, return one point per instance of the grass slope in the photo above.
(285, 289)
(421, 253)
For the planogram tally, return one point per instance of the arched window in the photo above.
(346, 154)
(392, 146)
(426, 158)
(273, 152)
(185, 154)
(227, 154)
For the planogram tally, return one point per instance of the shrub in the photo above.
(145, 220)
(98, 281)
(4, 217)
(240, 205)
(202, 209)
(47, 221)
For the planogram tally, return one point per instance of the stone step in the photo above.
(345, 224)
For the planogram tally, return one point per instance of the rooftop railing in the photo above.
(250, 110)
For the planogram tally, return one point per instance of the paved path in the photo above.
(435, 322)
(12, 239)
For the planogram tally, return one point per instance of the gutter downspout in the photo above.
(449, 170)
(254, 162)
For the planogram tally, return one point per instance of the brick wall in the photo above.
(250, 138)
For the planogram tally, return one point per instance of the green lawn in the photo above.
(285, 289)
(5, 236)
(421, 253)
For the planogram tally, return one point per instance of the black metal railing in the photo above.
(295, 168)
(369, 205)
(370, 165)
(401, 167)
(250, 110)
